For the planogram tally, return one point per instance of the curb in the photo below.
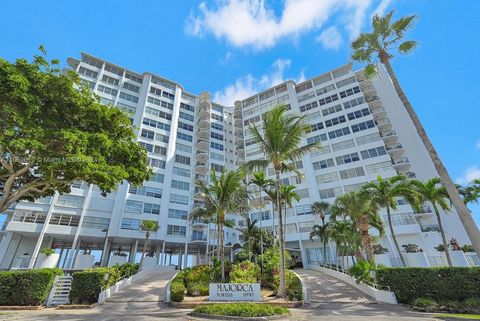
(76, 306)
(227, 317)
(193, 305)
(20, 307)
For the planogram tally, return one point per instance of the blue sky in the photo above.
(233, 48)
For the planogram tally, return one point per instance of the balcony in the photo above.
(384, 124)
(203, 134)
(203, 145)
(204, 123)
(238, 130)
(201, 168)
(238, 122)
(199, 222)
(389, 137)
(430, 228)
(424, 210)
(401, 164)
(204, 112)
(198, 238)
(395, 150)
(201, 157)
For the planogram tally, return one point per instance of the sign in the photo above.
(234, 292)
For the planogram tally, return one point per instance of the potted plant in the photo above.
(119, 257)
(85, 260)
(47, 258)
(381, 256)
(415, 255)
(150, 259)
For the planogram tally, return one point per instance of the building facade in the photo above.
(363, 128)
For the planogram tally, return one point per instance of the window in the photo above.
(216, 117)
(154, 149)
(318, 138)
(325, 90)
(303, 209)
(179, 199)
(176, 230)
(331, 110)
(353, 187)
(130, 224)
(96, 222)
(186, 116)
(184, 136)
(216, 156)
(308, 106)
(339, 133)
(216, 146)
(110, 80)
(363, 125)
(145, 133)
(348, 158)
(158, 113)
(168, 95)
(161, 138)
(159, 102)
(29, 217)
(353, 102)
(163, 83)
(303, 193)
(156, 163)
(217, 127)
(150, 208)
(146, 191)
(335, 121)
(156, 177)
(128, 97)
(133, 207)
(373, 152)
(307, 96)
(87, 72)
(302, 87)
(345, 82)
(181, 172)
(182, 159)
(352, 172)
(155, 91)
(323, 164)
(187, 107)
(70, 201)
(131, 87)
(316, 127)
(133, 78)
(86, 83)
(322, 79)
(92, 62)
(358, 114)
(64, 219)
(216, 167)
(183, 148)
(343, 145)
(327, 178)
(328, 100)
(216, 136)
(113, 70)
(156, 124)
(370, 138)
(260, 216)
(180, 185)
(378, 167)
(177, 214)
(330, 192)
(107, 90)
(324, 149)
(185, 126)
(350, 91)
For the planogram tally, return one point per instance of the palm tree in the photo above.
(264, 184)
(432, 191)
(224, 194)
(357, 207)
(471, 192)
(280, 141)
(345, 236)
(147, 226)
(322, 233)
(383, 193)
(386, 37)
(288, 196)
(319, 208)
(250, 233)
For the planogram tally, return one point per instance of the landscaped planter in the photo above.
(150, 261)
(383, 259)
(44, 261)
(418, 259)
(458, 258)
(114, 260)
(84, 261)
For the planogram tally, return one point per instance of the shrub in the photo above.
(293, 286)
(197, 289)
(412, 248)
(245, 310)
(454, 306)
(472, 305)
(199, 273)
(468, 248)
(47, 251)
(87, 285)
(362, 271)
(271, 267)
(244, 272)
(425, 303)
(439, 283)
(177, 291)
(26, 287)
(379, 249)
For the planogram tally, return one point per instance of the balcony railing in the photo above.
(430, 228)
(403, 160)
(394, 147)
(389, 133)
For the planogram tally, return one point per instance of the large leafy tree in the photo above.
(359, 208)
(148, 226)
(432, 191)
(280, 140)
(384, 193)
(386, 37)
(319, 209)
(224, 194)
(52, 134)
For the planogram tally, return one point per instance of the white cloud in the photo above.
(478, 144)
(226, 59)
(253, 22)
(330, 38)
(249, 85)
(469, 175)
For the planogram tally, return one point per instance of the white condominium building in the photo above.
(363, 128)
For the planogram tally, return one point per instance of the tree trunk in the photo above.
(442, 232)
(325, 261)
(463, 213)
(143, 251)
(273, 222)
(281, 288)
(394, 237)
(366, 238)
(222, 253)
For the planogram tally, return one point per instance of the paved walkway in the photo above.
(323, 288)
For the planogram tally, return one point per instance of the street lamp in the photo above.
(105, 230)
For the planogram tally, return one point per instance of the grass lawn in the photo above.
(459, 316)
(241, 309)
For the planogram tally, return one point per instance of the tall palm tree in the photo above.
(383, 193)
(322, 233)
(147, 226)
(319, 209)
(224, 194)
(432, 191)
(280, 141)
(471, 192)
(264, 184)
(287, 197)
(345, 237)
(250, 233)
(387, 36)
(358, 207)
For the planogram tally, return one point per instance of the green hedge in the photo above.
(439, 284)
(245, 310)
(293, 286)
(26, 287)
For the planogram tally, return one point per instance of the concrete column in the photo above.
(231, 254)
(158, 253)
(105, 253)
(36, 250)
(198, 257)
(4, 245)
(170, 259)
(133, 252)
(185, 257)
(162, 256)
(180, 259)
